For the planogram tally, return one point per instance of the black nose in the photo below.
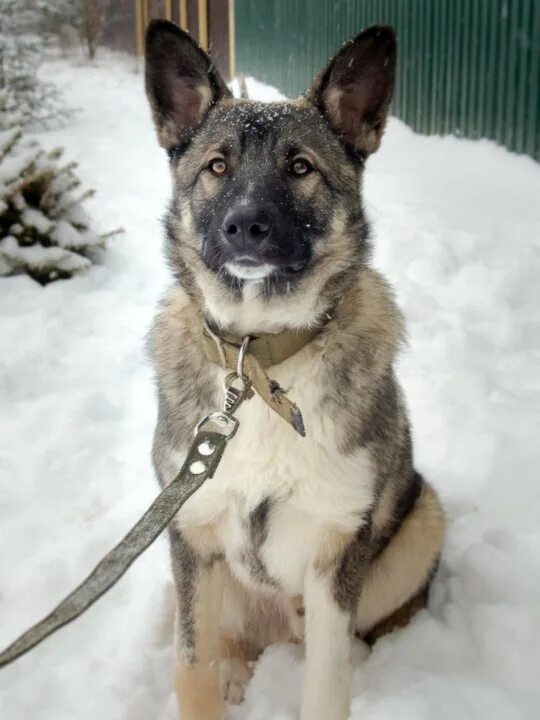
(245, 225)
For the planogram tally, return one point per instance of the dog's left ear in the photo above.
(355, 90)
(182, 83)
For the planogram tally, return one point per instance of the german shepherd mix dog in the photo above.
(316, 538)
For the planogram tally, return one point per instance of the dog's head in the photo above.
(267, 208)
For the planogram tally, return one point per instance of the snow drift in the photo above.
(456, 226)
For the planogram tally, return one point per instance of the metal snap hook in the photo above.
(236, 389)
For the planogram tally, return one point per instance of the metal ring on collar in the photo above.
(241, 355)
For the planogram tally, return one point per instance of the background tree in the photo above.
(84, 18)
(91, 24)
(44, 230)
(25, 99)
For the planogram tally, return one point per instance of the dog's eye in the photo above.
(300, 167)
(218, 166)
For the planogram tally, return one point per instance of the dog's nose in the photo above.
(245, 225)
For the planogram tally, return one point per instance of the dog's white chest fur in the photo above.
(276, 494)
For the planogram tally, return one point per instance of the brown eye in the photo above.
(218, 166)
(300, 167)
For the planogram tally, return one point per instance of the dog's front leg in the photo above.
(199, 587)
(331, 593)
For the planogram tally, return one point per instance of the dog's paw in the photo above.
(235, 675)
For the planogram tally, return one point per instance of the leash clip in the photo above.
(237, 389)
(219, 422)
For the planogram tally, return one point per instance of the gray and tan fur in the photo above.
(314, 538)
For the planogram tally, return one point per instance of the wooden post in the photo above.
(168, 10)
(145, 15)
(182, 14)
(139, 26)
(232, 41)
(203, 24)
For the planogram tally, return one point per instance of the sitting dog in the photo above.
(316, 538)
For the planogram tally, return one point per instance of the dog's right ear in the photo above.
(181, 83)
(355, 89)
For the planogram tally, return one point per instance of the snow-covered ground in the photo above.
(457, 230)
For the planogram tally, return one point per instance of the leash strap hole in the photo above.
(197, 467)
(206, 448)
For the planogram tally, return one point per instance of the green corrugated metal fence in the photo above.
(469, 67)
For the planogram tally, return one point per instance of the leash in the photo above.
(212, 434)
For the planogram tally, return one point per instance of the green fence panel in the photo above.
(468, 67)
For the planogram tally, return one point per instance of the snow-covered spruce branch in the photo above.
(44, 230)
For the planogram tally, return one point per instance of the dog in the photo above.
(311, 539)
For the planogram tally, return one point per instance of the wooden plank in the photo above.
(182, 14)
(232, 41)
(203, 23)
(139, 29)
(145, 14)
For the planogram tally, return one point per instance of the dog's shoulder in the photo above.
(369, 329)
(175, 327)
(360, 390)
(186, 381)
(175, 338)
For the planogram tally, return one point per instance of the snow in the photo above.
(457, 231)
(37, 256)
(15, 164)
(65, 234)
(36, 219)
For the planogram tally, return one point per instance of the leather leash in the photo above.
(212, 434)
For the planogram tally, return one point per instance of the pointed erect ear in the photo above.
(355, 90)
(181, 82)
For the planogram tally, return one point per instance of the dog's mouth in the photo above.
(248, 268)
(276, 266)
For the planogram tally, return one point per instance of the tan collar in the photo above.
(268, 349)
(261, 351)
